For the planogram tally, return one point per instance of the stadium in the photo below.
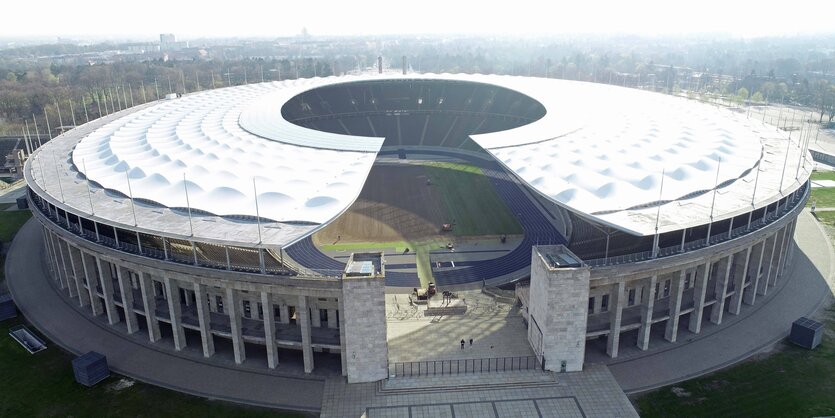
(270, 220)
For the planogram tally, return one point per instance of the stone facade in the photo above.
(364, 321)
(558, 309)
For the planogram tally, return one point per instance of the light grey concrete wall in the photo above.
(363, 318)
(559, 306)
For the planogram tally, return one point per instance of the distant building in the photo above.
(168, 42)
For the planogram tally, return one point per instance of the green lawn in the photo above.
(471, 200)
(792, 383)
(42, 385)
(824, 197)
(10, 222)
(823, 175)
(827, 217)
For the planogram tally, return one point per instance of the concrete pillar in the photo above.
(233, 308)
(315, 317)
(723, 274)
(66, 267)
(740, 274)
(332, 318)
(787, 257)
(765, 265)
(204, 319)
(699, 292)
(269, 329)
(106, 277)
(646, 312)
(50, 255)
(126, 290)
(78, 274)
(149, 302)
(175, 312)
(303, 312)
(88, 263)
(61, 274)
(676, 295)
(778, 269)
(342, 342)
(615, 315)
(284, 312)
(757, 252)
(598, 303)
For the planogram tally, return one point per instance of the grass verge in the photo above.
(791, 383)
(42, 384)
(824, 197)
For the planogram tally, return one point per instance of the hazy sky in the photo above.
(189, 19)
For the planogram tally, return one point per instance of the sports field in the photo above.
(408, 203)
(405, 205)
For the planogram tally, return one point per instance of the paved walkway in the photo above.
(592, 393)
(800, 293)
(40, 303)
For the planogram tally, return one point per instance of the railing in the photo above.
(172, 256)
(702, 243)
(463, 366)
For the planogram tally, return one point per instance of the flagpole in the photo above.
(257, 211)
(130, 194)
(188, 205)
(658, 215)
(713, 201)
(89, 192)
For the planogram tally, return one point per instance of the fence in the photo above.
(463, 366)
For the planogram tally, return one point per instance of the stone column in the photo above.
(88, 263)
(59, 274)
(342, 342)
(332, 323)
(778, 269)
(149, 302)
(754, 271)
(78, 274)
(646, 312)
(63, 247)
(740, 273)
(676, 295)
(765, 265)
(50, 256)
(284, 312)
(723, 273)
(204, 319)
(303, 312)
(234, 311)
(615, 315)
(315, 316)
(126, 291)
(269, 329)
(106, 277)
(175, 312)
(699, 292)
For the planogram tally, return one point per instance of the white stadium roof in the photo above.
(599, 151)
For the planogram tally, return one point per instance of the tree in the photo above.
(757, 97)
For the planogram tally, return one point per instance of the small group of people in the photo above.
(463, 342)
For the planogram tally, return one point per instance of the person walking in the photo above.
(462, 343)
(471, 342)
